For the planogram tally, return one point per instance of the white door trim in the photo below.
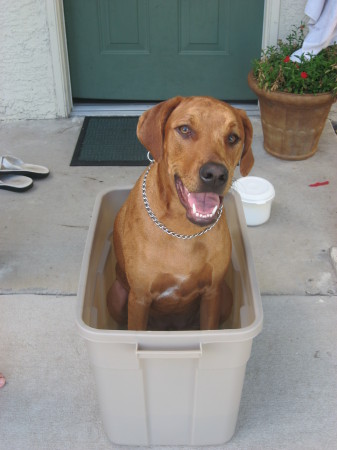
(59, 55)
(271, 20)
(59, 52)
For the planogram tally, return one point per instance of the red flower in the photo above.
(286, 59)
(304, 75)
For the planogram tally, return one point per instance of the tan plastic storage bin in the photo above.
(167, 388)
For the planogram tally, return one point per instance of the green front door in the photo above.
(156, 49)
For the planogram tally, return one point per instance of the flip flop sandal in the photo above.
(11, 164)
(17, 183)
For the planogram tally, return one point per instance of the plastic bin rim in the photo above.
(204, 336)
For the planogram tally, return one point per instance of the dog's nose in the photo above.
(214, 175)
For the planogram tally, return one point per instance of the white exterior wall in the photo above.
(28, 88)
(291, 13)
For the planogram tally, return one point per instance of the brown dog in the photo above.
(164, 281)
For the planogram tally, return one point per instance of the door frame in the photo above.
(59, 52)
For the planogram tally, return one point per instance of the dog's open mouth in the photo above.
(201, 207)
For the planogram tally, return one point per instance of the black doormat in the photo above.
(109, 141)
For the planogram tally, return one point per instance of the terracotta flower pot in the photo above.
(292, 123)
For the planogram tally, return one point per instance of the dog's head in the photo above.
(201, 140)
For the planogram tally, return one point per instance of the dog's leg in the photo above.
(138, 313)
(210, 308)
(117, 301)
(226, 302)
(215, 307)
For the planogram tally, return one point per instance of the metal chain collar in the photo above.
(162, 226)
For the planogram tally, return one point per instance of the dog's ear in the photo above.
(151, 126)
(247, 158)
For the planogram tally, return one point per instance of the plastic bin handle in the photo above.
(169, 354)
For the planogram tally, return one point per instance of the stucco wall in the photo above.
(27, 85)
(27, 88)
(291, 13)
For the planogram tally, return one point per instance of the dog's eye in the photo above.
(233, 139)
(185, 130)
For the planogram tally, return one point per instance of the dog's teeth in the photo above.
(194, 208)
(202, 216)
(214, 210)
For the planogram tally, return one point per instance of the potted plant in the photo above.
(295, 97)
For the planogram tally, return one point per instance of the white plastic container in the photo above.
(257, 195)
(166, 388)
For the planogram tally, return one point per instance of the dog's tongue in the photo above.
(205, 203)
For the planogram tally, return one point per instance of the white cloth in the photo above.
(322, 28)
(313, 9)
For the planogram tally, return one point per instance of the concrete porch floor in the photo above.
(49, 402)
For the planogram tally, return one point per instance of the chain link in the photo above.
(162, 226)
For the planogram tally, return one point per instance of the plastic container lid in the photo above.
(254, 190)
